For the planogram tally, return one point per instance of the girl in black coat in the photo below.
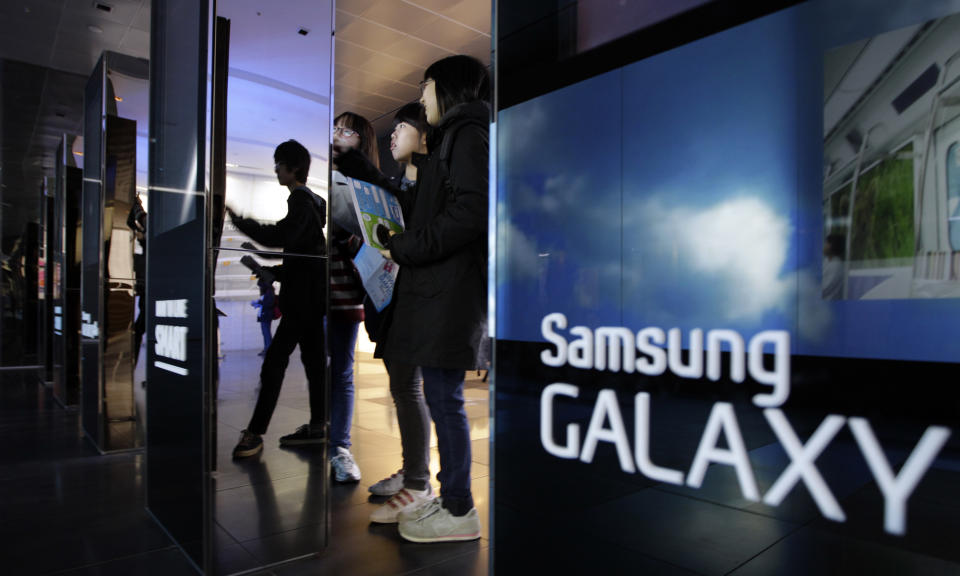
(439, 304)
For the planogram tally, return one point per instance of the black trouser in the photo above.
(307, 331)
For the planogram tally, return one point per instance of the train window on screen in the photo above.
(953, 193)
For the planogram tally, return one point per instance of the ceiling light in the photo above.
(95, 29)
(118, 98)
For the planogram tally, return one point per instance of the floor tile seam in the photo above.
(272, 481)
(93, 515)
(483, 548)
(111, 560)
(659, 488)
(243, 543)
(56, 475)
(91, 456)
(232, 428)
(346, 505)
(630, 550)
(814, 524)
(796, 530)
(227, 532)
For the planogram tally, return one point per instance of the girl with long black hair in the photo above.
(438, 313)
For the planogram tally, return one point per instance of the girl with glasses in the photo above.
(351, 132)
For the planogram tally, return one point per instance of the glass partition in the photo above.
(221, 101)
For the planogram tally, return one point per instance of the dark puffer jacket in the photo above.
(439, 304)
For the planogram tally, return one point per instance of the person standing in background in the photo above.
(266, 315)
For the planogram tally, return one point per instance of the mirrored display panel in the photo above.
(113, 406)
(268, 277)
(176, 469)
(269, 506)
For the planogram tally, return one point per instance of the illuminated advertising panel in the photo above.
(726, 304)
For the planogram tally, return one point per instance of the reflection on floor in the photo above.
(269, 507)
(67, 510)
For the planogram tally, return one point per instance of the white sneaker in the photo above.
(388, 486)
(401, 504)
(344, 468)
(437, 524)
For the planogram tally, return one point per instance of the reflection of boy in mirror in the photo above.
(303, 293)
(137, 222)
(833, 253)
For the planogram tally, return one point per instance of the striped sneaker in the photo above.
(404, 501)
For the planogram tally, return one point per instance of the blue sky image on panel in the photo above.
(709, 182)
(684, 191)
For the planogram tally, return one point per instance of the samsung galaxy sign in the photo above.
(652, 352)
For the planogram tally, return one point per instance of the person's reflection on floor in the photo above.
(291, 505)
(303, 288)
(265, 496)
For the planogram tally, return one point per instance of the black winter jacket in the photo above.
(439, 304)
(303, 280)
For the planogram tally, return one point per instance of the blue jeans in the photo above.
(444, 392)
(342, 337)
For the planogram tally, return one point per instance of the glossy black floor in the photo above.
(65, 509)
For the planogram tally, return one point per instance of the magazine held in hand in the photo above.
(372, 205)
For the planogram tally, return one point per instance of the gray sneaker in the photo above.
(344, 468)
(388, 486)
(436, 524)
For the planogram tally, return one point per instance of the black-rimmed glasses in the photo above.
(345, 132)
